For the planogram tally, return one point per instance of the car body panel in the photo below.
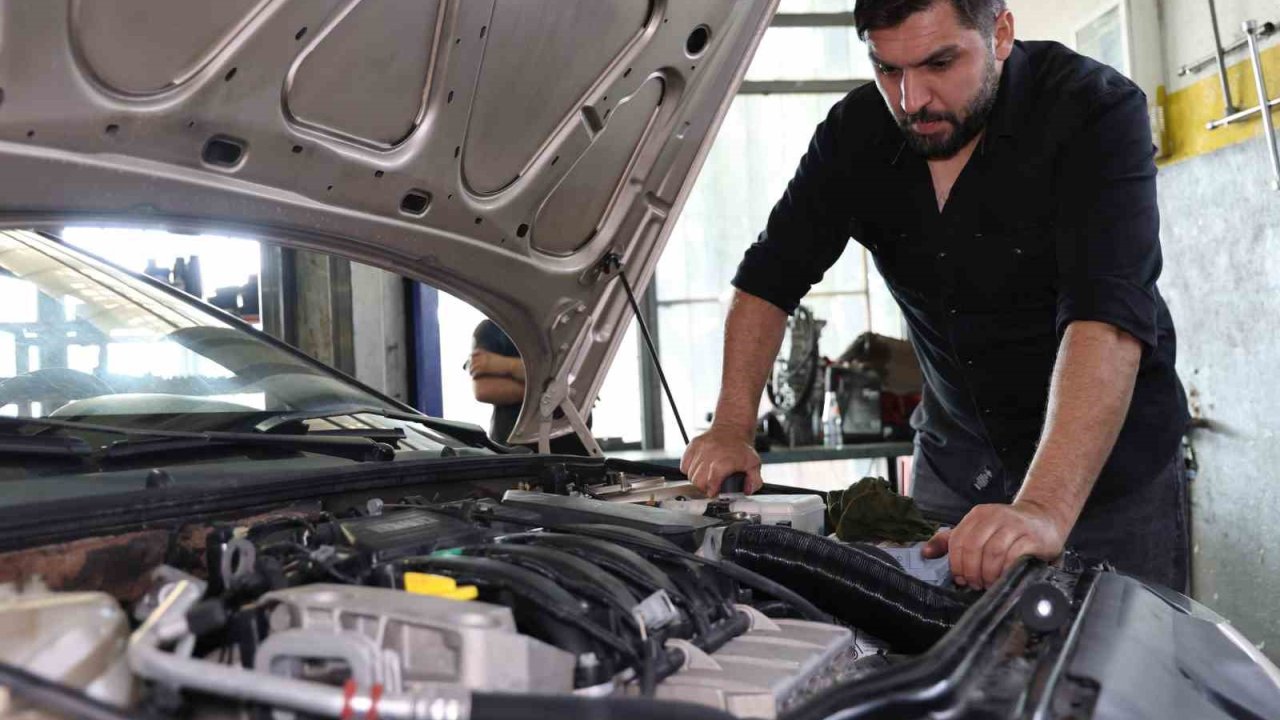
(1153, 658)
(498, 149)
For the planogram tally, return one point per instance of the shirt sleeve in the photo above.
(807, 229)
(1108, 243)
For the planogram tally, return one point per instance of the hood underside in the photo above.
(497, 149)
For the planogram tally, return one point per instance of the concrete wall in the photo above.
(1221, 238)
(378, 325)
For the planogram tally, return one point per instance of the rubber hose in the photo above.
(853, 585)
(499, 706)
(744, 576)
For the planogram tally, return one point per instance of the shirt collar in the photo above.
(1007, 113)
(1011, 98)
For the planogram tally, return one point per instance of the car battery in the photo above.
(802, 512)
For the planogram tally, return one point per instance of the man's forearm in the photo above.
(1092, 387)
(753, 334)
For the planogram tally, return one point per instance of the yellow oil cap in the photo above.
(438, 586)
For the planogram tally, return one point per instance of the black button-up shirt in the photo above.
(1053, 220)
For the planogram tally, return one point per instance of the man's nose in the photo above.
(915, 93)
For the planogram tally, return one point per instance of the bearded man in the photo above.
(1007, 192)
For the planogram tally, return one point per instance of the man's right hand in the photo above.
(716, 455)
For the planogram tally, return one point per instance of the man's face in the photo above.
(939, 77)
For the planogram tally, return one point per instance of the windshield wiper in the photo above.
(361, 449)
(44, 445)
(144, 442)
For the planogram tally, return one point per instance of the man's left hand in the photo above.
(991, 538)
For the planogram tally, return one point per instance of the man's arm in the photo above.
(752, 336)
(496, 390)
(1089, 398)
(807, 231)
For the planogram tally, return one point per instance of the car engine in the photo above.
(419, 610)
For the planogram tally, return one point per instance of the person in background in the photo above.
(497, 379)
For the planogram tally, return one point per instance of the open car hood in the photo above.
(498, 149)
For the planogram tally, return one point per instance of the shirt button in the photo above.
(942, 256)
(969, 363)
(1017, 251)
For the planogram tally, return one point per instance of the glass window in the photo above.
(748, 168)
(810, 53)
(816, 6)
(1103, 40)
(225, 268)
(80, 338)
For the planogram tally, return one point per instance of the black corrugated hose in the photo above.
(851, 584)
(499, 706)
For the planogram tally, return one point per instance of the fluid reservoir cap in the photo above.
(438, 586)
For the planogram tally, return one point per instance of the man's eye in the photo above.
(940, 64)
(885, 69)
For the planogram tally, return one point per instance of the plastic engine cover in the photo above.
(402, 640)
(755, 674)
(802, 512)
(73, 638)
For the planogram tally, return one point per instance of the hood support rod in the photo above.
(613, 263)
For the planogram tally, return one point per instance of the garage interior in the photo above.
(1216, 192)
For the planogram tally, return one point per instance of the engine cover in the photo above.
(402, 640)
(756, 674)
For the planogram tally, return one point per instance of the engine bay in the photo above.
(411, 609)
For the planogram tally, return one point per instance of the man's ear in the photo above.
(1003, 36)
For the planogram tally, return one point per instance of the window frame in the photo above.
(653, 400)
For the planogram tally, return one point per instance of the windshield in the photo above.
(82, 340)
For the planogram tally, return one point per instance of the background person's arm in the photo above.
(496, 390)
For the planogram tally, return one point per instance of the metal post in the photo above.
(1228, 106)
(1268, 123)
(428, 386)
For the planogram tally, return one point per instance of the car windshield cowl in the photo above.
(141, 443)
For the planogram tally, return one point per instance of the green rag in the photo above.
(870, 511)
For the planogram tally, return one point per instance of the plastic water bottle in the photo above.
(832, 421)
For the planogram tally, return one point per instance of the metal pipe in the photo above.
(1268, 123)
(148, 660)
(1266, 29)
(1242, 115)
(1228, 107)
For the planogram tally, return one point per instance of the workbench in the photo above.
(889, 451)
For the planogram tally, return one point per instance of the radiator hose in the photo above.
(853, 585)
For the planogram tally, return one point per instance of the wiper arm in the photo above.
(44, 445)
(361, 449)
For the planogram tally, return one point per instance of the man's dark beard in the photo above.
(963, 130)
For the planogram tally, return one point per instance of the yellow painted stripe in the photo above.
(1187, 111)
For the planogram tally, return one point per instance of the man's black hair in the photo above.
(871, 15)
